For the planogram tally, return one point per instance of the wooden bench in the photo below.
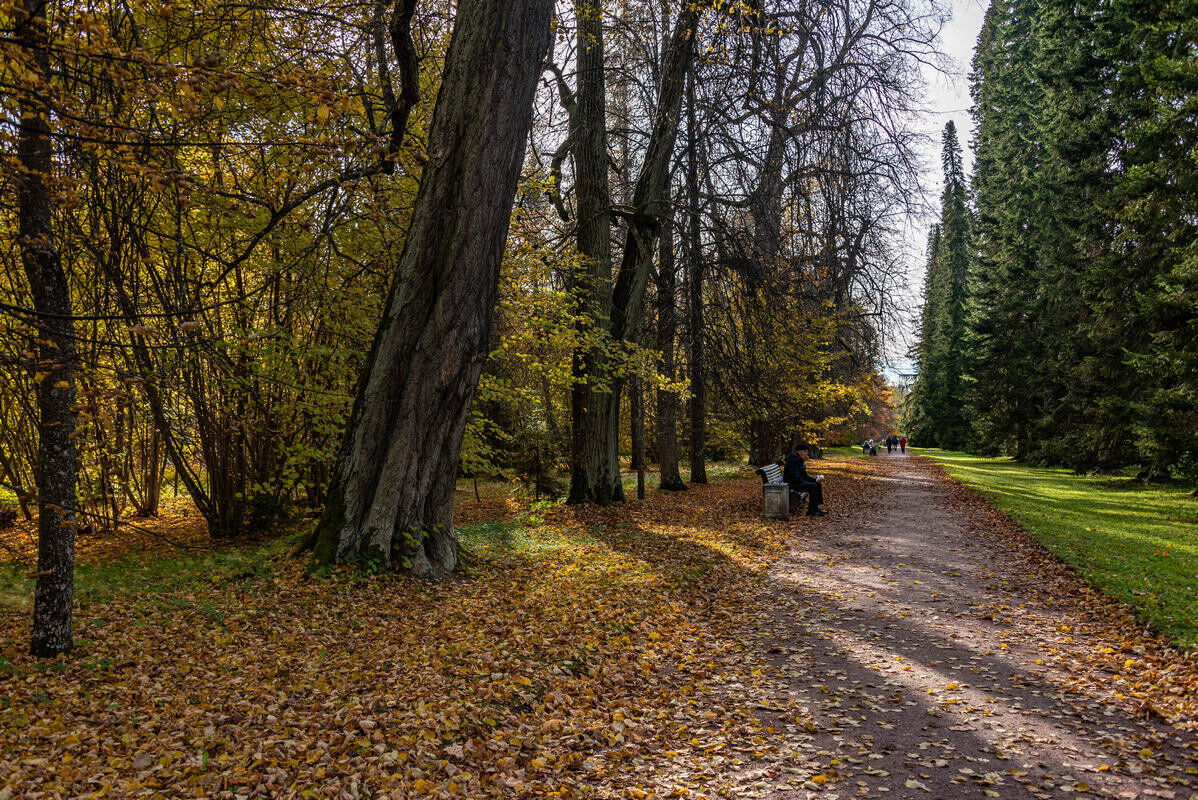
(777, 496)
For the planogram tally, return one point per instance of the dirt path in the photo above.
(916, 657)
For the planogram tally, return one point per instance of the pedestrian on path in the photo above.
(903, 444)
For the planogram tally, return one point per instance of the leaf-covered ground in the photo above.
(681, 647)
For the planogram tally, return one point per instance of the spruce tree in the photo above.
(1003, 348)
(1082, 420)
(1083, 317)
(938, 417)
(954, 256)
(1153, 267)
(921, 414)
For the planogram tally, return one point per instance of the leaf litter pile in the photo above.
(649, 650)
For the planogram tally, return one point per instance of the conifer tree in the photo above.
(1153, 268)
(1002, 357)
(920, 420)
(939, 390)
(1082, 422)
(1083, 345)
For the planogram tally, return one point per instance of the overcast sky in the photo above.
(947, 98)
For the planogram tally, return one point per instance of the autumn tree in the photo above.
(391, 497)
(806, 182)
(52, 320)
(204, 207)
(617, 296)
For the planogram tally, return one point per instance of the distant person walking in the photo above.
(903, 444)
(889, 445)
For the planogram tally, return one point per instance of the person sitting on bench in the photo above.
(796, 475)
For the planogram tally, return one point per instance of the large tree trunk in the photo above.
(391, 498)
(694, 271)
(597, 439)
(56, 465)
(594, 469)
(667, 334)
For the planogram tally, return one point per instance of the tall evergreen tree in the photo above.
(1154, 256)
(955, 255)
(939, 390)
(1083, 345)
(1082, 421)
(1003, 296)
(921, 412)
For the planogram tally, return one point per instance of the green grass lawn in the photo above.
(853, 450)
(1135, 542)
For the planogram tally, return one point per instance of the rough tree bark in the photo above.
(595, 474)
(694, 272)
(56, 464)
(667, 334)
(391, 498)
(594, 468)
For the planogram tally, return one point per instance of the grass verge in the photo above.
(136, 575)
(852, 451)
(1134, 542)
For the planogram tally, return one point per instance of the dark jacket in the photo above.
(795, 471)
